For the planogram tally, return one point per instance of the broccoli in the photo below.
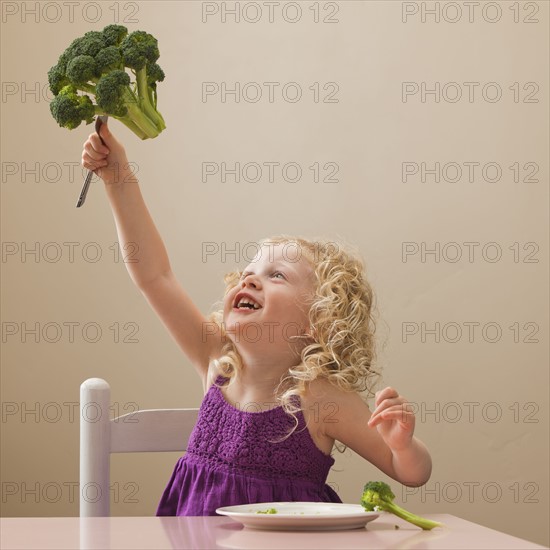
(377, 495)
(70, 109)
(98, 67)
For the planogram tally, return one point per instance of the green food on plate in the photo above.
(268, 511)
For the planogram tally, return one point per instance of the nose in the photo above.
(251, 280)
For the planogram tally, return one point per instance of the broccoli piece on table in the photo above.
(377, 495)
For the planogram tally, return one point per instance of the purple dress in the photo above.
(229, 461)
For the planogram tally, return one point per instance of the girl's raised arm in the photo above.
(148, 263)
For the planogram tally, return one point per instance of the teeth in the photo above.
(243, 301)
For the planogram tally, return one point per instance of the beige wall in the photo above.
(368, 133)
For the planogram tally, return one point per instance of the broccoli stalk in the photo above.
(377, 495)
(95, 64)
(140, 53)
(145, 95)
(115, 97)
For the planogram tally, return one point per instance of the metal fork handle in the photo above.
(99, 121)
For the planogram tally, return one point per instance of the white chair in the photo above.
(140, 431)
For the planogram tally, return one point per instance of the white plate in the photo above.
(300, 516)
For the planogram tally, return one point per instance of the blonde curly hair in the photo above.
(342, 316)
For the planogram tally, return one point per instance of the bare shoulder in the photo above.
(324, 391)
(332, 402)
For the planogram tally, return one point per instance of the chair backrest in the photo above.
(140, 431)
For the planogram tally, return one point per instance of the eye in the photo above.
(278, 273)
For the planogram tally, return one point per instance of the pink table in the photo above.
(212, 532)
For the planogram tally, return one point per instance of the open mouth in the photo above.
(243, 302)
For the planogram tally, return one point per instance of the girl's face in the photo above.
(280, 283)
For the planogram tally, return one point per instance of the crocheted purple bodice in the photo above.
(238, 440)
(237, 457)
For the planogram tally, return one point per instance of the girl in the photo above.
(282, 363)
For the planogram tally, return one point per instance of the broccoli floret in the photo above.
(114, 34)
(140, 53)
(377, 495)
(154, 74)
(70, 109)
(109, 59)
(111, 93)
(82, 70)
(57, 79)
(95, 65)
(89, 44)
(139, 49)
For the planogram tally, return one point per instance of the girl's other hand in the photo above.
(393, 419)
(108, 161)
